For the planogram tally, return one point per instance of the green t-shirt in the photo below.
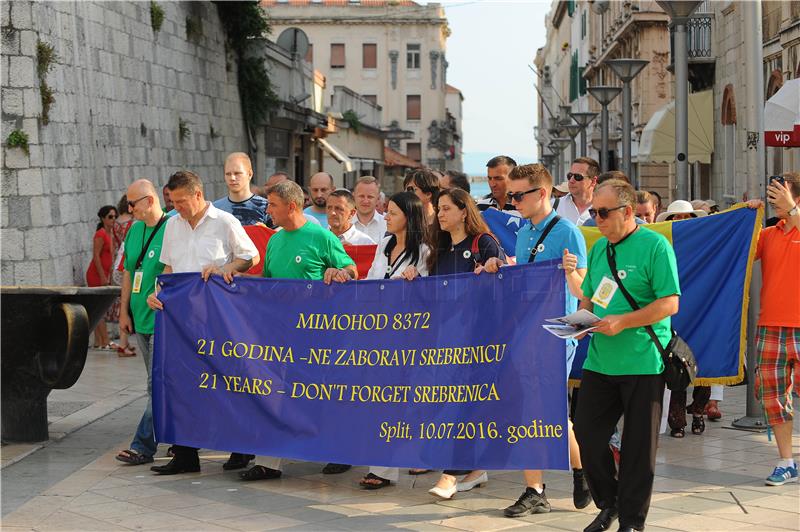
(304, 253)
(138, 234)
(650, 273)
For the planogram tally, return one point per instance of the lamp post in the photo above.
(583, 119)
(572, 130)
(679, 12)
(547, 161)
(626, 70)
(560, 144)
(554, 149)
(604, 95)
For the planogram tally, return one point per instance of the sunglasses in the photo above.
(111, 216)
(133, 203)
(576, 177)
(411, 189)
(603, 212)
(517, 196)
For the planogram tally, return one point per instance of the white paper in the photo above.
(581, 318)
(567, 331)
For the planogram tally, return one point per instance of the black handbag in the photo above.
(680, 365)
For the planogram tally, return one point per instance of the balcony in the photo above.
(700, 49)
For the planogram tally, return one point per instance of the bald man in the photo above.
(320, 187)
(142, 265)
(241, 202)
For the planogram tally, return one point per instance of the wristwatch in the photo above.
(793, 210)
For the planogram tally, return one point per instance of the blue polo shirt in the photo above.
(563, 235)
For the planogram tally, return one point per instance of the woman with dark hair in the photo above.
(401, 255)
(121, 225)
(425, 184)
(460, 242)
(404, 253)
(99, 272)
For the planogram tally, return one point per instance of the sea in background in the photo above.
(478, 189)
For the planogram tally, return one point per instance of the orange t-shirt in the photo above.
(780, 270)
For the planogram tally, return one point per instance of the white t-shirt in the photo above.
(380, 264)
(216, 240)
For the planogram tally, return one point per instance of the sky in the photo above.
(491, 45)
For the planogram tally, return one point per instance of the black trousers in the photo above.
(603, 399)
(189, 455)
(678, 408)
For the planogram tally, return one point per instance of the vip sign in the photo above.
(783, 138)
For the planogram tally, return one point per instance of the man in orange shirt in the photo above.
(778, 337)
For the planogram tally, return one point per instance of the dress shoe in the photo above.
(237, 461)
(335, 469)
(581, 497)
(467, 485)
(174, 467)
(444, 493)
(629, 529)
(603, 520)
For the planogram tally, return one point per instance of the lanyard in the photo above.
(147, 245)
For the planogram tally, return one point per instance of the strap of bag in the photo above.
(546, 232)
(612, 264)
(147, 245)
(475, 248)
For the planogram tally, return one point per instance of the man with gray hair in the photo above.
(301, 250)
(341, 209)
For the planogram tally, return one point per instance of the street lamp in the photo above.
(626, 70)
(583, 119)
(572, 130)
(604, 95)
(560, 144)
(548, 160)
(565, 111)
(679, 12)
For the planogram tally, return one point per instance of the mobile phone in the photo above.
(777, 178)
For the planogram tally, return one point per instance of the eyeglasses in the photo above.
(111, 216)
(517, 196)
(576, 177)
(603, 213)
(132, 203)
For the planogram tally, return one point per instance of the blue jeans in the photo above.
(144, 442)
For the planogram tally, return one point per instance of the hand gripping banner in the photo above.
(441, 372)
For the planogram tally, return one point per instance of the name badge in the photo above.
(605, 291)
(137, 282)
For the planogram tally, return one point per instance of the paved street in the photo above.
(709, 482)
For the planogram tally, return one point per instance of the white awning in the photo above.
(337, 154)
(657, 144)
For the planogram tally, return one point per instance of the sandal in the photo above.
(126, 351)
(713, 413)
(698, 425)
(131, 457)
(259, 472)
(419, 471)
(381, 482)
(677, 433)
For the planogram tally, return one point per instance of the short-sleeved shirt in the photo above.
(780, 292)
(567, 209)
(563, 235)
(651, 273)
(460, 259)
(322, 218)
(304, 253)
(251, 211)
(137, 237)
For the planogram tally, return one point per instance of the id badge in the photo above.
(605, 291)
(137, 282)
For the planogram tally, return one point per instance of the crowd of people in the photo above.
(435, 227)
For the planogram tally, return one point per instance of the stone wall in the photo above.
(120, 90)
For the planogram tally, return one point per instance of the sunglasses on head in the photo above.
(517, 196)
(576, 177)
(603, 213)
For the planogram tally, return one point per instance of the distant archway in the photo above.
(728, 106)
(775, 83)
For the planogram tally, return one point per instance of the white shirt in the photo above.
(354, 237)
(380, 264)
(375, 228)
(567, 209)
(217, 239)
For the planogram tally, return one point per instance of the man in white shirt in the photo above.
(581, 179)
(341, 208)
(320, 187)
(201, 238)
(368, 220)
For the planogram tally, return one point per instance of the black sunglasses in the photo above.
(111, 216)
(603, 213)
(517, 196)
(133, 203)
(576, 177)
(411, 188)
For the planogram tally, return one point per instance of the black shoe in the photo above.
(581, 497)
(603, 520)
(237, 461)
(629, 529)
(175, 467)
(531, 502)
(258, 472)
(335, 469)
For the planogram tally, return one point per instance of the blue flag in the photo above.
(505, 227)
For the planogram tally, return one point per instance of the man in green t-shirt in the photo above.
(301, 250)
(622, 372)
(142, 265)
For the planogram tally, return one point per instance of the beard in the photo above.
(320, 202)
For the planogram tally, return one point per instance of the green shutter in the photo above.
(570, 7)
(573, 78)
(581, 81)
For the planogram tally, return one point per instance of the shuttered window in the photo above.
(413, 107)
(337, 55)
(414, 151)
(369, 56)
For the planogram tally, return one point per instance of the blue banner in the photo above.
(440, 372)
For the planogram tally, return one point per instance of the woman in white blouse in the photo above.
(401, 255)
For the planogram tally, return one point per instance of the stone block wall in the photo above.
(120, 91)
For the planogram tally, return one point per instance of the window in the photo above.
(337, 55)
(414, 151)
(413, 107)
(583, 24)
(413, 55)
(729, 179)
(574, 74)
(369, 56)
(371, 98)
(310, 53)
